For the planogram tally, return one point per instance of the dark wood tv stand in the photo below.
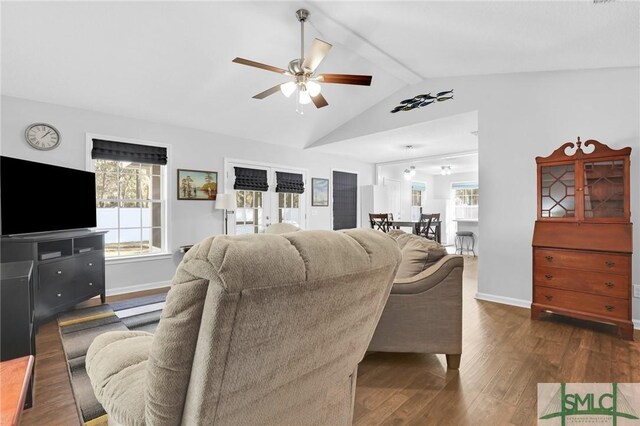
(68, 267)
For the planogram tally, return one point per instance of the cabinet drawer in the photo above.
(603, 262)
(606, 284)
(55, 295)
(590, 303)
(55, 274)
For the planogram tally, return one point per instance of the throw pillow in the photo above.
(418, 254)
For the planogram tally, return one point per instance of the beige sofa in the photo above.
(257, 330)
(424, 311)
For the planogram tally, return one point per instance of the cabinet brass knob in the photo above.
(59, 272)
(548, 296)
(548, 276)
(609, 307)
(549, 258)
(609, 284)
(90, 283)
(59, 295)
(610, 263)
(90, 264)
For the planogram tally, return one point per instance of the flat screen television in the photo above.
(37, 197)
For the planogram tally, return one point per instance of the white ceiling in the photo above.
(171, 61)
(464, 163)
(430, 138)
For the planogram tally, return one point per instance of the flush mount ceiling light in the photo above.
(446, 170)
(409, 173)
(420, 101)
(302, 70)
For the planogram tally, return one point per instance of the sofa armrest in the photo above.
(116, 365)
(428, 278)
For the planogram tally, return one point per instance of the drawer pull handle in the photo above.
(59, 272)
(548, 276)
(548, 296)
(609, 284)
(609, 307)
(610, 263)
(59, 294)
(549, 258)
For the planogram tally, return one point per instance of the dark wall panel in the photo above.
(345, 200)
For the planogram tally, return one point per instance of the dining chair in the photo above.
(431, 232)
(390, 215)
(424, 225)
(379, 221)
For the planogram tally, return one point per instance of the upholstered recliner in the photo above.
(424, 311)
(257, 330)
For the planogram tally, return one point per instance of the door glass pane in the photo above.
(558, 191)
(604, 189)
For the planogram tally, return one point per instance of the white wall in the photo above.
(522, 116)
(189, 221)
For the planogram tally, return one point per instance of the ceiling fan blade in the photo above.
(316, 54)
(259, 65)
(319, 101)
(267, 92)
(360, 80)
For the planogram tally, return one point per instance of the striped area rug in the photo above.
(79, 327)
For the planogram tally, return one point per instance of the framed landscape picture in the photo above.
(319, 192)
(197, 185)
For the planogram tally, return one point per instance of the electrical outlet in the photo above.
(636, 290)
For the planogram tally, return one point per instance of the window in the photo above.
(417, 190)
(130, 197)
(416, 197)
(466, 196)
(248, 212)
(289, 208)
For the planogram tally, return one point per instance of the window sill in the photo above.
(466, 220)
(137, 258)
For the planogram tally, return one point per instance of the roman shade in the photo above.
(417, 186)
(250, 179)
(289, 182)
(122, 151)
(464, 185)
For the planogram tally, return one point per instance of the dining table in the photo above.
(415, 226)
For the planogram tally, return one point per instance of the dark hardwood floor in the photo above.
(505, 355)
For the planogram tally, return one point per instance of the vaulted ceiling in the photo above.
(171, 61)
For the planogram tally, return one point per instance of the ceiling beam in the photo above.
(332, 29)
(430, 157)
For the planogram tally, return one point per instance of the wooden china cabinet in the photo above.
(582, 242)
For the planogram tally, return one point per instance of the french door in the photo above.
(257, 210)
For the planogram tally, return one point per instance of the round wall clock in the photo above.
(42, 136)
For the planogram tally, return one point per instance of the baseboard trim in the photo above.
(138, 287)
(504, 300)
(523, 303)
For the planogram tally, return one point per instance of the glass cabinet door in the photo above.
(604, 189)
(557, 191)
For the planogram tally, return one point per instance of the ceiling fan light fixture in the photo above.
(313, 88)
(287, 89)
(303, 96)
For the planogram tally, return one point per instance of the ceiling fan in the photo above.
(304, 81)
